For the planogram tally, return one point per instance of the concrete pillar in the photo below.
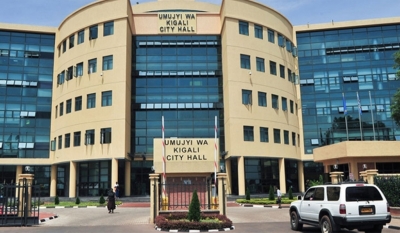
(282, 176)
(25, 201)
(371, 173)
(228, 170)
(72, 179)
(127, 178)
(336, 177)
(353, 170)
(53, 181)
(114, 172)
(363, 175)
(300, 171)
(241, 176)
(154, 196)
(221, 177)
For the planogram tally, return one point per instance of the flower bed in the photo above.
(178, 221)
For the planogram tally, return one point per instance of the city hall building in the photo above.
(187, 89)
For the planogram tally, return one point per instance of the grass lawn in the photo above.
(72, 203)
(264, 201)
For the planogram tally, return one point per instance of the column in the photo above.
(300, 170)
(114, 172)
(127, 178)
(53, 181)
(154, 196)
(72, 179)
(221, 177)
(282, 176)
(241, 176)
(28, 198)
(336, 177)
(363, 175)
(228, 171)
(371, 173)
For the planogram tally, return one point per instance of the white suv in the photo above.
(331, 207)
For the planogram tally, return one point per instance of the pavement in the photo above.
(46, 214)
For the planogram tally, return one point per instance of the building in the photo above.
(131, 80)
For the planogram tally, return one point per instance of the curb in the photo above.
(211, 230)
(48, 219)
(392, 227)
(75, 207)
(266, 206)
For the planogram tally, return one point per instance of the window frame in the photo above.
(262, 99)
(78, 103)
(248, 133)
(284, 103)
(277, 136)
(81, 37)
(72, 41)
(68, 106)
(275, 101)
(90, 137)
(243, 28)
(92, 66)
(258, 31)
(247, 98)
(108, 62)
(106, 98)
(271, 36)
(282, 71)
(91, 101)
(105, 135)
(286, 137)
(108, 28)
(264, 137)
(260, 64)
(272, 68)
(93, 32)
(245, 61)
(77, 138)
(67, 140)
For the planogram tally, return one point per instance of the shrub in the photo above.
(317, 182)
(77, 201)
(56, 200)
(271, 193)
(247, 194)
(390, 186)
(173, 221)
(194, 208)
(290, 193)
(102, 200)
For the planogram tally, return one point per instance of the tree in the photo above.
(395, 106)
(247, 194)
(57, 200)
(194, 208)
(290, 193)
(271, 193)
(102, 200)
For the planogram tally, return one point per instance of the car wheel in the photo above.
(376, 229)
(326, 225)
(294, 221)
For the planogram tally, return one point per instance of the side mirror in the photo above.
(299, 197)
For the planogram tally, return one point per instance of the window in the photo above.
(108, 62)
(61, 109)
(260, 64)
(93, 32)
(92, 65)
(89, 137)
(64, 46)
(284, 104)
(291, 106)
(61, 77)
(105, 135)
(281, 71)
(248, 133)
(244, 61)
(91, 101)
(262, 99)
(243, 28)
(70, 72)
(108, 29)
(81, 37)
(289, 73)
(277, 135)
(281, 40)
(78, 103)
(59, 142)
(272, 67)
(264, 134)
(79, 69)
(275, 102)
(56, 111)
(68, 106)
(71, 41)
(67, 140)
(258, 31)
(77, 138)
(286, 137)
(288, 46)
(293, 139)
(246, 97)
(106, 98)
(271, 36)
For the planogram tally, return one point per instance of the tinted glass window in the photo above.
(310, 194)
(319, 194)
(333, 193)
(364, 193)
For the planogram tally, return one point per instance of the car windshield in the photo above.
(364, 193)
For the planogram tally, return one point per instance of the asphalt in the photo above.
(46, 214)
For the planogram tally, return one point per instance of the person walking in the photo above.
(116, 189)
(279, 195)
(111, 201)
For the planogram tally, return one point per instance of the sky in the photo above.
(299, 12)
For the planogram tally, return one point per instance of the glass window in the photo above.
(61, 109)
(106, 98)
(275, 102)
(293, 139)
(79, 69)
(78, 103)
(89, 137)
(64, 46)
(71, 41)
(290, 75)
(277, 136)
(68, 106)
(271, 36)
(59, 142)
(248, 133)
(81, 37)
(105, 135)
(291, 106)
(260, 64)
(92, 66)
(284, 104)
(281, 71)
(244, 61)
(264, 134)
(281, 40)
(91, 100)
(77, 138)
(262, 99)
(286, 137)
(272, 67)
(243, 28)
(108, 62)
(93, 32)
(108, 29)
(67, 140)
(258, 31)
(246, 97)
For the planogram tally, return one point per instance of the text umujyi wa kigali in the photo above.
(186, 150)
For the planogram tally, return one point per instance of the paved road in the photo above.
(245, 219)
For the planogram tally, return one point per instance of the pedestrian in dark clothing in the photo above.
(111, 201)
